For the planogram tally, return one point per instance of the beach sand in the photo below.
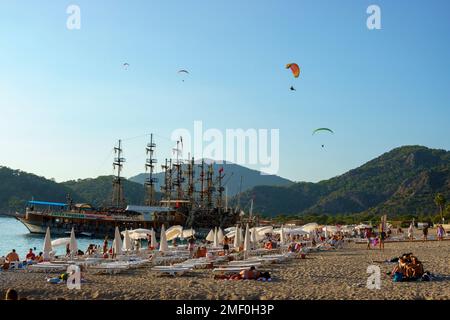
(337, 274)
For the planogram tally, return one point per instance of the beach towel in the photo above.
(398, 277)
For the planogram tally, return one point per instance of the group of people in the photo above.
(408, 268)
(12, 257)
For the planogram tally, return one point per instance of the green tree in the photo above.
(440, 202)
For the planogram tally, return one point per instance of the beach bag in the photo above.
(398, 277)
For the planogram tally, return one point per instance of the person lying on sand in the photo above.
(250, 274)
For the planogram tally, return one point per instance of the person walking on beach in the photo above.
(382, 237)
(226, 245)
(105, 245)
(440, 232)
(367, 235)
(425, 233)
(411, 232)
(191, 246)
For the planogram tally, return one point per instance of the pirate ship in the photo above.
(193, 201)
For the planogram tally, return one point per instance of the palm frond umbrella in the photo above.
(73, 245)
(163, 246)
(117, 244)
(47, 245)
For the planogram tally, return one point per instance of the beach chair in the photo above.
(109, 268)
(47, 267)
(171, 270)
(15, 265)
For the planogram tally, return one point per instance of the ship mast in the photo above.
(209, 186)
(118, 198)
(202, 183)
(191, 183)
(178, 183)
(220, 189)
(150, 165)
(167, 187)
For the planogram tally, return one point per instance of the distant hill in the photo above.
(233, 173)
(18, 187)
(402, 181)
(98, 191)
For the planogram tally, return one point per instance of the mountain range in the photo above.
(402, 181)
(232, 180)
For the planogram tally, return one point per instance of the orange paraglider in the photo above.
(294, 68)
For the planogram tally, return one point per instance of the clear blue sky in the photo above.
(65, 98)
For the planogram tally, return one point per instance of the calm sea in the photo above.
(14, 235)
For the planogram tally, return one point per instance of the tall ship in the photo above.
(188, 199)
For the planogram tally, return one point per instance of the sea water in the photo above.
(14, 235)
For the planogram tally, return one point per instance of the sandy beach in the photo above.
(337, 274)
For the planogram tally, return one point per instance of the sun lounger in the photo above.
(109, 268)
(171, 270)
(47, 267)
(245, 263)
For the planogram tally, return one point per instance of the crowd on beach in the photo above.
(13, 257)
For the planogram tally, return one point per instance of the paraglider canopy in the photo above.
(322, 130)
(183, 71)
(126, 65)
(294, 68)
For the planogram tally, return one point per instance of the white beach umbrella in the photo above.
(47, 245)
(236, 238)
(153, 241)
(310, 227)
(282, 235)
(220, 235)
(210, 236)
(253, 238)
(174, 232)
(117, 244)
(230, 229)
(262, 231)
(216, 238)
(73, 246)
(163, 246)
(61, 242)
(247, 246)
(231, 234)
(127, 242)
(296, 231)
(140, 231)
(137, 236)
(241, 236)
(188, 233)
